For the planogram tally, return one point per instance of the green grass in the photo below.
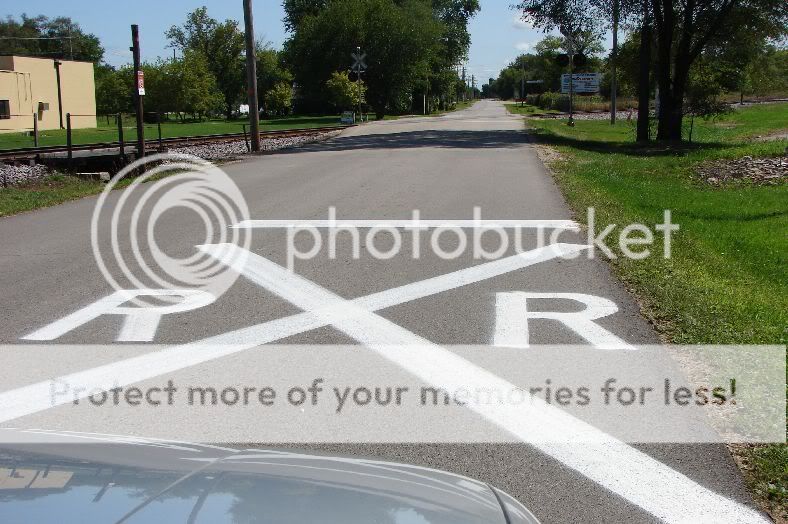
(459, 106)
(726, 282)
(109, 133)
(51, 191)
(517, 109)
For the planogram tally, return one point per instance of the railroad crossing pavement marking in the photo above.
(633, 475)
(140, 323)
(408, 224)
(37, 397)
(512, 316)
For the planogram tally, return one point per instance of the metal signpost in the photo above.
(359, 66)
(522, 83)
(571, 43)
(139, 92)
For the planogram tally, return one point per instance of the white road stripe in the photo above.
(37, 397)
(409, 224)
(635, 476)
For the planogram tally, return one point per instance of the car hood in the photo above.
(99, 478)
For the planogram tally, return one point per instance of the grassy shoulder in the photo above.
(50, 191)
(525, 109)
(109, 132)
(726, 281)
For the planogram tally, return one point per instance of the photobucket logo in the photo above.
(452, 239)
(142, 236)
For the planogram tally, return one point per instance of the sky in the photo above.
(498, 35)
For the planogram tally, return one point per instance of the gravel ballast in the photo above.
(11, 175)
(758, 171)
(237, 148)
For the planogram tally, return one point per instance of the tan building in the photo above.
(29, 86)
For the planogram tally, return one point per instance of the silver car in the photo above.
(97, 478)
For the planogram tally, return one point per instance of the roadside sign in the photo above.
(348, 117)
(581, 82)
(140, 83)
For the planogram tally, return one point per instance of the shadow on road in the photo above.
(649, 149)
(428, 138)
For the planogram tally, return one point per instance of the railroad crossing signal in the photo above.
(359, 64)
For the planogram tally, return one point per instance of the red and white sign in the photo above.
(140, 83)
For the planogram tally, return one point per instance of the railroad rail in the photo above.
(33, 153)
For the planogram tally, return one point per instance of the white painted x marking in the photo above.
(635, 476)
(632, 474)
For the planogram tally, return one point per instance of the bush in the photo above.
(560, 102)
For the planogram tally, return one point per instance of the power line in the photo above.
(37, 37)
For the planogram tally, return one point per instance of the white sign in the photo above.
(141, 83)
(582, 83)
(348, 117)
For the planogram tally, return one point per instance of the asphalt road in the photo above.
(444, 167)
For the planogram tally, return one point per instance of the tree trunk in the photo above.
(671, 96)
(644, 84)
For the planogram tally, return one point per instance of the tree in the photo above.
(279, 99)
(270, 70)
(113, 95)
(400, 39)
(222, 45)
(590, 17)
(543, 65)
(455, 15)
(684, 30)
(344, 93)
(195, 90)
(297, 10)
(48, 37)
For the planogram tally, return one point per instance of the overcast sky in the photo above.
(498, 35)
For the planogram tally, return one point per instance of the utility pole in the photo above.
(251, 77)
(358, 82)
(473, 87)
(139, 90)
(614, 59)
(522, 82)
(464, 85)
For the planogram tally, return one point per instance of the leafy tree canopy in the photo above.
(222, 45)
(48, 38)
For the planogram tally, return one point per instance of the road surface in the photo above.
(444, 167)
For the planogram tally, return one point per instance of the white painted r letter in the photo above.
(512, 316)
(141, 322)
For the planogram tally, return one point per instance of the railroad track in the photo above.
(31, 153)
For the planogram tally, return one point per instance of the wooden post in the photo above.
(35, 129)
(158, 123)
(251, 76)
(135, 49)
(69, 142)
(246, 140)
(120, 136)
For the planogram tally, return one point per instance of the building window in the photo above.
(5, 110)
